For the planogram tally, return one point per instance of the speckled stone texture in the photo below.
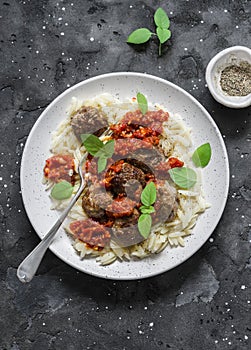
(49, 45)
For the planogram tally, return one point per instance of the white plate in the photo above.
(123, 85)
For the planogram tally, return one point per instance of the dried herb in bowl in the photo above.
(235, 80)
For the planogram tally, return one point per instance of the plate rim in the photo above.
(132, 74)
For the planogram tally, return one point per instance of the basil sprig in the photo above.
(98, 149)
(62, 190)
(163, 23)
(142, 35)
(148, 198)
(142, 102)
(183, 177)
(202, 155)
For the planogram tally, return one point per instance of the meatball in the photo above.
(140, 165)
(133, 190)
(129, 174)
(166, 205)
(149, 157)
(88, 120)
(125, 230)
(95, 202)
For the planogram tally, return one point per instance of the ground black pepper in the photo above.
(235, 80)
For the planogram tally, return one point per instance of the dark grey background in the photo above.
(45, 47)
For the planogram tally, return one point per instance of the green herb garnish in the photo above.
(142, 102)
(62, 190)
(147, 210)
(144, 225)
(98, 149)
(202, 155)
(148, 198)
(161, 19)
(92, 143)
(183, 177)
(148, 195)
(101, 164)
(139, 36)
(163, 35)
(142, 35)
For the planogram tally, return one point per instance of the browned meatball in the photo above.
(88, 120)
(95, 201)
(129, 181)
(148, 158)
(125, 230)
(166, 205)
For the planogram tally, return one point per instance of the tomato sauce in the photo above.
(175, 162)
(162, 168)
(125, 147)
(91, 233)
(121, 207)
(151, 119)
(135, 131)
(60, 167)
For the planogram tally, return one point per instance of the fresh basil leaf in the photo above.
(161, 19)
(142, 102)
(148, 195)
(139, 36)
(144, 225)
(98, 149)
(62, 190)
(163, 34)
(107, 150)
(84, 137)
(147, 210)
(92, 143)
(102, 164)
(202, 155)
(183, 177)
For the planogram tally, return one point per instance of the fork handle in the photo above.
(28, 267)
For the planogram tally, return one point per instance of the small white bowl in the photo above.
(232, 55)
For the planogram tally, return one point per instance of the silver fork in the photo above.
(30, 264)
